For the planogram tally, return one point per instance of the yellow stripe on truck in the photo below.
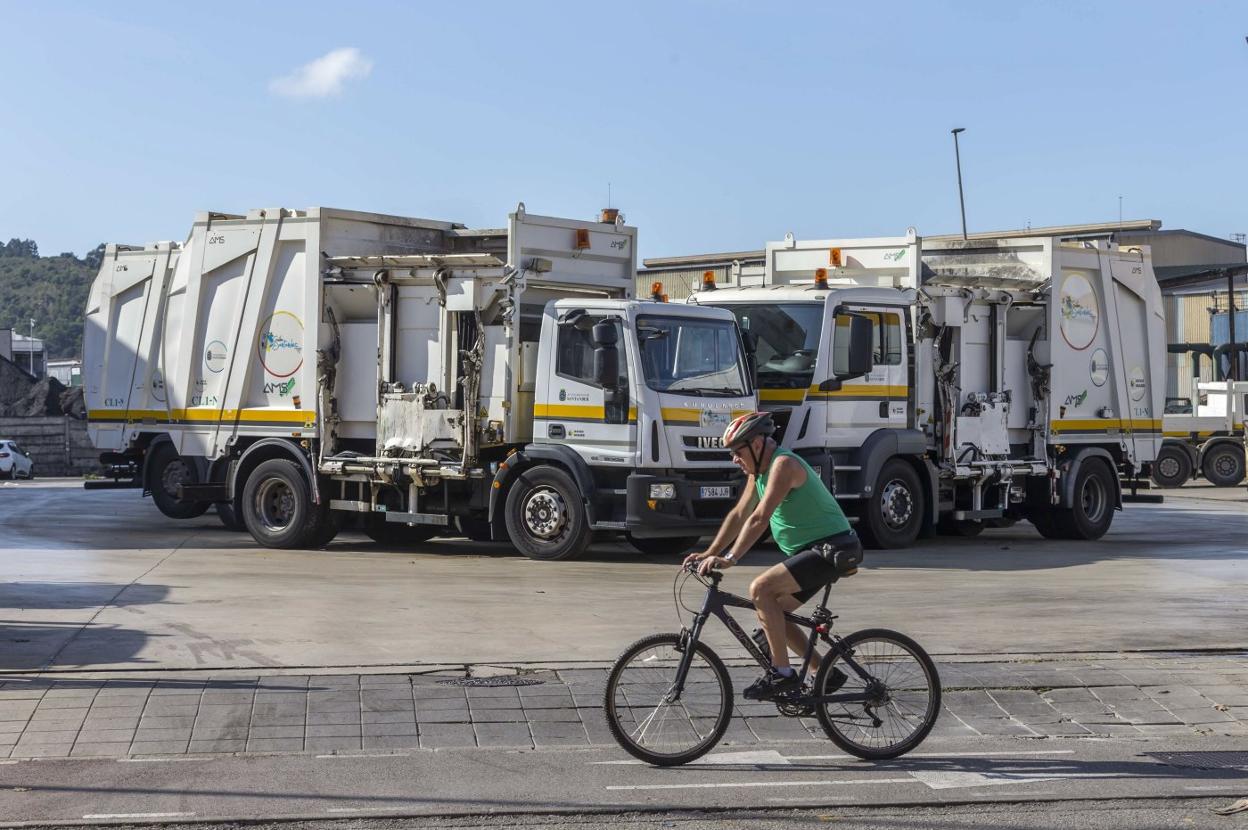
(688, 415)
(854, 390)
(1103, 424)
(204, 415)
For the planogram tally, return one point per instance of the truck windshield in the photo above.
(787, 338)
(692, 356)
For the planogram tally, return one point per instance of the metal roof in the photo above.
(1094, 229)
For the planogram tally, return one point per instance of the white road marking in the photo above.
(732, 784)
(376, 809)
(949, 779)
(160, 760)
(377, 755)
(6, 763)
(756, 756)
(1239, 786)
(952, 779)
(137, 815)
(992, 754)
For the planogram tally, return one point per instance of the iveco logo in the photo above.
(710, 442)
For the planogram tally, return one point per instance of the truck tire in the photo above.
(277, 506)
(1172, 468)
(1092, 512)
(397, 534)
(545, 515)
(166, 471)
(229, 517)
(664, 547)
(1223, 465)
(893, 515)
(1045, 521)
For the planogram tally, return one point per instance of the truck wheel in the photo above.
(397, 534)
(167, 471)
(1045, 521)
(330, 522)
(894, 513)
(229, 517)
(277, 506)
(1223, 465)
(478, 530)
(1093, 509)
(1172, 468)
(664, 547)
(545, 516)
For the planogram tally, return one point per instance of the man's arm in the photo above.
(732, 523)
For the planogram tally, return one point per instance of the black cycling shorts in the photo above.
(812, 571)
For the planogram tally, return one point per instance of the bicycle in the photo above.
(669, 698)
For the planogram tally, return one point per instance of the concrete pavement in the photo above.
(102, 581)
(1046, 696)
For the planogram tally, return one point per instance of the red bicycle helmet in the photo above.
(749, 426)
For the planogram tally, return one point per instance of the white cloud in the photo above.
(324, 76)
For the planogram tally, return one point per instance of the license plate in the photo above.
(716, 492)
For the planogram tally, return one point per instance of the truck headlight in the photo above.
(663, 491)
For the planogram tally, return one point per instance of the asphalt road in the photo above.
(102, 581)
(480, 783)
(1053, 815)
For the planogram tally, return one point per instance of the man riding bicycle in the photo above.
(806, 522)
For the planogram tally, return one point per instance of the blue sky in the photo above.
(719, 125)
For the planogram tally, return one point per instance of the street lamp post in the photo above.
(32, 346)
(957, 155)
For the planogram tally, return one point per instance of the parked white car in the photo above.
(14, 462)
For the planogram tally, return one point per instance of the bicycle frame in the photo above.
(718, 602)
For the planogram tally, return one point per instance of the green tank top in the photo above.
(807, 514)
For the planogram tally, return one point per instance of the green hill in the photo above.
(51, 289)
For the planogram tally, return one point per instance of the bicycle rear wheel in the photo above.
(902, 695)
(644, 715)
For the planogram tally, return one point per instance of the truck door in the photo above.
(598, 423)
(879, 400)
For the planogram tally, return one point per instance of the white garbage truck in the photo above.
(1208, 438)
(296, 367)
(1011, 378)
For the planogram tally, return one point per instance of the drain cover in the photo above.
(1203, 760)
(501, 680)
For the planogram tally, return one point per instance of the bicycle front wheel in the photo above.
(654, 721)
(899, 699)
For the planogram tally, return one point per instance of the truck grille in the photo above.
(707, 455)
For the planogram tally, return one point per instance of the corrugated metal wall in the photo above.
(677, 285)
(1188, 321)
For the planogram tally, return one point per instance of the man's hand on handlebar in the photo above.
(712, 563)
(694, 558)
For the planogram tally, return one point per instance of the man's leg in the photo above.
(769, 593)
(799, 638)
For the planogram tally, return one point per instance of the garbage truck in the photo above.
(297, 367)
(1206, 439)
(1011, 378)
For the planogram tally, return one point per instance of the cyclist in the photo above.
(806, 522)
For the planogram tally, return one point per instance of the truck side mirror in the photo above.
(852, 350)
(606, 355)
(749, 342)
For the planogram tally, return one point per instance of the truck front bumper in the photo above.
(694, 510)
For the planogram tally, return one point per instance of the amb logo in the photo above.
(896, 256)
(1077, 400)
(563, 394)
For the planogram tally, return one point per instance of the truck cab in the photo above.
(636, 395)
